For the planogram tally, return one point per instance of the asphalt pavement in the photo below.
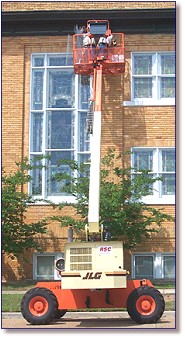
(89, 320)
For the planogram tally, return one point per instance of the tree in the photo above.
(121, 206)
(17, 234)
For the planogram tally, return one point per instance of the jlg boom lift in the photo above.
(92, 274)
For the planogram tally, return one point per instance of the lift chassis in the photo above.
(92, 273)
(102, 283)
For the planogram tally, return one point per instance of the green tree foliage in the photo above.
(17, 234)
(121, 206)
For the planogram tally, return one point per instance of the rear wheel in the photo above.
(145, 305)
(39, 306)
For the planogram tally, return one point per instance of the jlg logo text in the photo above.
(91, 275)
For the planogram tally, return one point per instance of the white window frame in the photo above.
(158, 267)
(56, 256)
(156, 75)
(156, 197)
(75, 109)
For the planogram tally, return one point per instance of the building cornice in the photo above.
(31, 23)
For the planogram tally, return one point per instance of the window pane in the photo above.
(36, 173)
(85, 158)
(38, 61)
(54, 182)
(60, 126)
(61, 89)
(168, 160)
(37, 97)
(141, 187)
(143, 160)
(142, 87)
(167, 64)
(167, 86)
(84, 137)
(36, 131)
(168, 184)
(63, 60)
(144, 266)
(45, 267)
(169, 266)
(142, 64)
(84, 92)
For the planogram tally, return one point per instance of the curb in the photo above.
(167, 291)
(11, 292)
(81, 315)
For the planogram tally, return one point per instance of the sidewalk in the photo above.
(82, 315)
(167, 291)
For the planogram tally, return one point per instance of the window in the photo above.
(153, 78)
(59, 104)
(153, 265)
(144, 266)
(44, 266)
(161, 163)
(168, 266)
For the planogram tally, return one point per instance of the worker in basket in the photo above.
(102, 47)
(88, 42)
(103, 44)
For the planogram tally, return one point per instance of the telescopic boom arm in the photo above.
(95, 145)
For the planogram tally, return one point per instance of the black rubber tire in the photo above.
(157, 299)
(60, 313)
(52, 306)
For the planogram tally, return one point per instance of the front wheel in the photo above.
(39, 306)
(145, 305)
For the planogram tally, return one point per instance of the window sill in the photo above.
(145, 102)
(164, 200)
(54, 199)
(71, 199)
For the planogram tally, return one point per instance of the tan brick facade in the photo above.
(122, 127)
(86, 5)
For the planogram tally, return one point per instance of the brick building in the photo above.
(40, 93)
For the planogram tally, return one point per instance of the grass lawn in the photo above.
(11, 303)
(24, 286)
(17, 286)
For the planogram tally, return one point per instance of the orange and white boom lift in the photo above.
(93, 59)
(92, 274)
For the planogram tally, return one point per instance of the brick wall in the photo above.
(12, 101)
(85, 5)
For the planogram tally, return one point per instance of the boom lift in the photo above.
(92, 274)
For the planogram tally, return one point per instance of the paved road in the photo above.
(82, 320)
